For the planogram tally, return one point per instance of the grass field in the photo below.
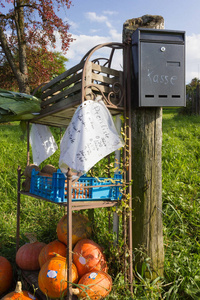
(181, 210)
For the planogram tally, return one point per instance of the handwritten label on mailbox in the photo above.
(161, 79)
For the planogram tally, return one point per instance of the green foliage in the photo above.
(181, 212)
(193, 84)
(181, 195)
(192, 97)
(43, 65)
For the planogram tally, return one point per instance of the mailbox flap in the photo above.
(158, 35)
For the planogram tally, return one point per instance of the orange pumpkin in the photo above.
(19, 294)
(50, 249)
(94, 285)
(6, 274)
(27, 255)
(88, 256)
(52, 278)
(80, 228)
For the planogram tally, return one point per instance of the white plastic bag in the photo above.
(90, 136)
(42, 142)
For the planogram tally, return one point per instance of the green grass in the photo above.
(181, 211)
(181, 204)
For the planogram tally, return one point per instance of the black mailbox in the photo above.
(158, 74)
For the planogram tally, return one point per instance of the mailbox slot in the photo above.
(158, 75)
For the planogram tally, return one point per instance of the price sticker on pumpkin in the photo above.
(31, 296)
(93, 275)
(82, 260)
(52, 274)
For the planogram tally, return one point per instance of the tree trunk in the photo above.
(146, 140)
(22, 76)
(21, 72)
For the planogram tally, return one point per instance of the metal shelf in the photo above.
(78, 205)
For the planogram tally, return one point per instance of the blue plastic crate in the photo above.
(84, 189)
(41, 185)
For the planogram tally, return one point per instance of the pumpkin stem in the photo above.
(31, 237)
(18, 288)
(55, 254)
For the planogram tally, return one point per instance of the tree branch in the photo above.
(6, 17)
(27, 5)
(5, 47)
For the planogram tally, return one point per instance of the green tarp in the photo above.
(17, 106)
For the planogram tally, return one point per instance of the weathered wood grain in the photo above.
(146, 141)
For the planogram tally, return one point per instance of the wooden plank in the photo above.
(70, 112)
(60, 86)
(102, 69)
(66, 103)
(63, 94)
(62, 76)
(102, 88)
(54, 122)
(104, 79)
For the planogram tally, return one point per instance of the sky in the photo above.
(94, 22)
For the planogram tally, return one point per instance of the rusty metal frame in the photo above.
(125, 109)
(126, 57)
(18, 207)
(69, 234)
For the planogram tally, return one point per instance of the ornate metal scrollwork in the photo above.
(99, 59)
(113, 99)
(118, 89)
(114, 94)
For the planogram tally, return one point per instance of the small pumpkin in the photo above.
(80, 228)
(50, 249)
(6, 274)
(27, 255)
(26, 184)
(18, 293)
(88, 256)
(94, 285)
(49, 169)
(28, 170)
(52, 278)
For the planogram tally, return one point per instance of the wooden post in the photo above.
(146, 140)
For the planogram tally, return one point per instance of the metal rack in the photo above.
(60, 98)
